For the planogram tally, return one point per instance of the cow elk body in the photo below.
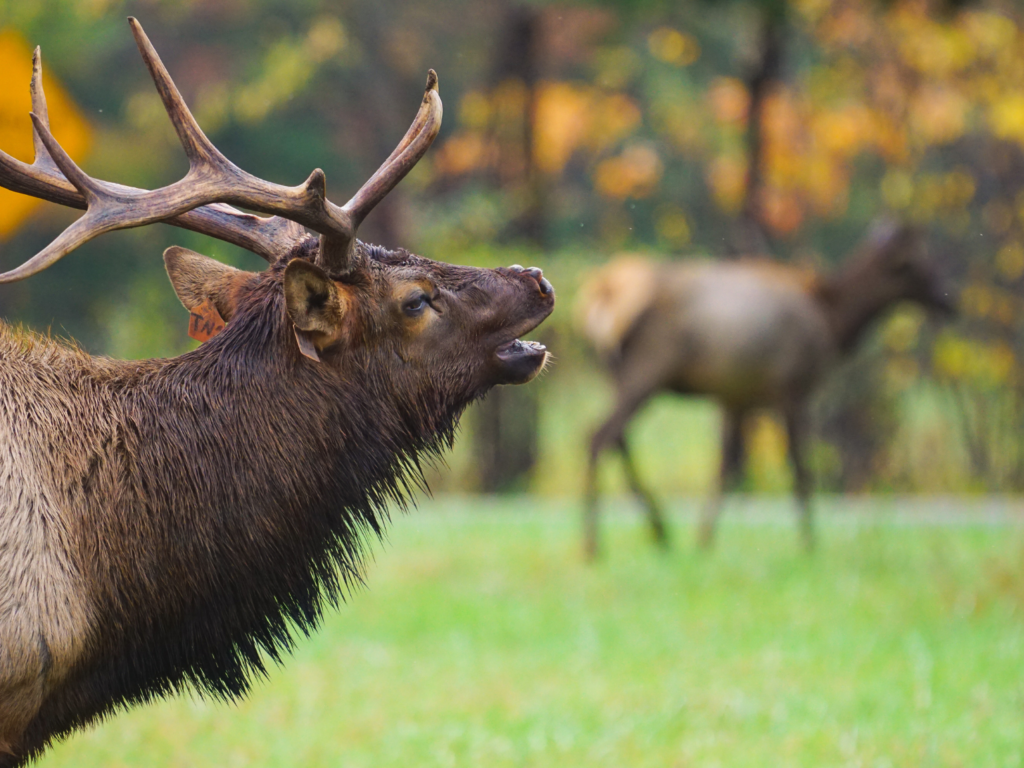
(170, 523)
(750, 333)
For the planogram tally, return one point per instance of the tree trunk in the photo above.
(505, 422)
(765, 71)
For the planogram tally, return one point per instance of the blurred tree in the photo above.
(765, 72)
(505, 422)
(645, 125)
(764, 65)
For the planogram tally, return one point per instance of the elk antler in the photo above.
(410, 149)
(42, 179)
(197, 201)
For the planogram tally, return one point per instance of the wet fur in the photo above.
(176, 520)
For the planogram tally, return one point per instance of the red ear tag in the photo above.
(205, 322)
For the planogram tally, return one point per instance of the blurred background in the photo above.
(574, 131)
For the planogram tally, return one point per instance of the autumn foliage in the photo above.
(637, 122)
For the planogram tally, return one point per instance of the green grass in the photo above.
(482, 640)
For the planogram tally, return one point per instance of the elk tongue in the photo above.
(518, 348)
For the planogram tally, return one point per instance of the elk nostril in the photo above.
(538, 276)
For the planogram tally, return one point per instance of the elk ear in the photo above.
(314, 304)
(198, 279)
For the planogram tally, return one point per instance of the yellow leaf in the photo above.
(634, 173)
(897, 189)
(561, 117)
(673, 47)
(1006, 117)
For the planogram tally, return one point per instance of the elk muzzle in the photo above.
(516, 361)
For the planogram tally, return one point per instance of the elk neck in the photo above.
(853, 298)
(219, 500)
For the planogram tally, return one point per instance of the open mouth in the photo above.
(519, 348)
(520, 360)
(517, 361)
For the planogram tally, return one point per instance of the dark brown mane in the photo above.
(311, 527)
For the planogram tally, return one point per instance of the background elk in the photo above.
(752, 334)
(163, 523)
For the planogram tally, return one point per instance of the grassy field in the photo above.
(482, 640)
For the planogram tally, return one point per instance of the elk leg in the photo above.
(732, 463)
(654, 514)
(797, 434)
(610, 433)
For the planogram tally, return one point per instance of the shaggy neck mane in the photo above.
(249, 478)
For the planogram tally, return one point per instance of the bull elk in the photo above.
(751, 334)
(172, 523)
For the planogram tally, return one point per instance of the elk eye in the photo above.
(415, 306)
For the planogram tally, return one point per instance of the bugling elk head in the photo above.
(447, 328)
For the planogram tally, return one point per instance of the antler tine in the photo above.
(198, 147)
(70, 238)
(306, 204)
(41, 178)
(417, 123)
(334, 253)
(410, 149)
(42, 157)
(89, 188)
(88, 226)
